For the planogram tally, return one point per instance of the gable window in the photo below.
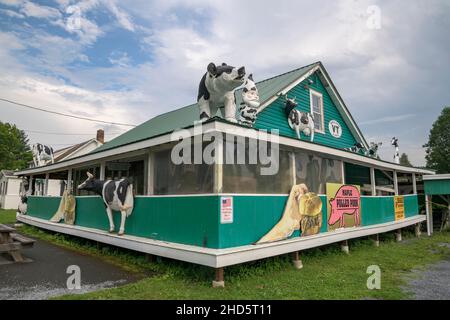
(316, 101)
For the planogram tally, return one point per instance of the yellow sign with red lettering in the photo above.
(399, 207)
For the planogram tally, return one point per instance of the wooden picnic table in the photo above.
(12, 242)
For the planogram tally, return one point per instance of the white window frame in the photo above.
(318, 94)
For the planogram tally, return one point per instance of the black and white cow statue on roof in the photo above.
(217, 88)
(357, 148)
(373, 150)
(394, 142)
(117, 195)
(299, 121)
(42, 154)
(250, 102)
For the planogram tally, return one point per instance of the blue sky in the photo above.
(127, 61)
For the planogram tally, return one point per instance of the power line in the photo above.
(69, 134)
(65, 114)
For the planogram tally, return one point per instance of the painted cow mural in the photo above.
(117, 195)
(345, 202)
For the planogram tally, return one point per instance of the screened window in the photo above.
(384, 182)
(316, 171)
(170, 178)
(405, 183)
(133, 170)
(246, 175)
(316, 100)
(358, 175)
(79, 176)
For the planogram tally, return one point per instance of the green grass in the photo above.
(327, 273)
(7, 216)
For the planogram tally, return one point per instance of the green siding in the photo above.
(273, 116)
(195, 220)
(437, 186)
(187, 220)
(42, 207)
(377, 210)
(411, 205)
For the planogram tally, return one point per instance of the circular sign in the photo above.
(335, 128)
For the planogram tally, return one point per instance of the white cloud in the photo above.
(12, 13)
(388, 119)
(14, 3)
(31, 9)
(122, 17)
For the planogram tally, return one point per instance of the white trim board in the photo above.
(217, 258)
(444, 176)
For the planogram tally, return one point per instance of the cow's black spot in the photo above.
(202, 90)
(109, 192)
(122, 190)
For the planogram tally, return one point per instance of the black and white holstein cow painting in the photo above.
(216, 89)
(299, 121)
(42, 154)
(117, 196)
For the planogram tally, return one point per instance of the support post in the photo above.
(376, 240)
(414, 183)
(218, 166)
(69, 181)
(395, 183)
(398, 235)
(150, 173)
(293, 169)
(45, 193)
(31, 189)
(296, 260)
(372, 181)
(417, 229)
(344, 247)
(102, 170)
(219, 281)
(150, 257)
(429, 211)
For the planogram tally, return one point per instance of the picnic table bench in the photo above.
(12, 242)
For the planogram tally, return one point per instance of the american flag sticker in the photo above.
(226, 209)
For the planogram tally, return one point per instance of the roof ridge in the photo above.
(291, 71)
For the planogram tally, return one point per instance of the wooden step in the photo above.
(24, 241)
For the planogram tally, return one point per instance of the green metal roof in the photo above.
(185, 117)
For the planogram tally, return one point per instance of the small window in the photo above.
(316, 101)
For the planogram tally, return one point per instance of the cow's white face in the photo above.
(224, 78)
(250, 94)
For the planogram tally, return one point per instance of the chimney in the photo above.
(100, 136)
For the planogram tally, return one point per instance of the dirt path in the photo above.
(432, 283)
(47, 275)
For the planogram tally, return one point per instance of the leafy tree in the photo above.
(438, 146)
(404, 161)
(14, 150)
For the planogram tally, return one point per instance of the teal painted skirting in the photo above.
(187, 220)
(195, 220)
